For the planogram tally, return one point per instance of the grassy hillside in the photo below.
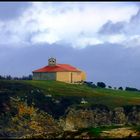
(70, 92)
(109, 97)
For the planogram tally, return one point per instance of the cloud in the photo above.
(125, 33)
(132, 41)
(132, 27)
(83, 42)
(63, 22)
(111, 28)
(10, 10)
(108, 35)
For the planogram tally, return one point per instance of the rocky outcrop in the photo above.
(118, 116)
(92, 117)
(133, 115)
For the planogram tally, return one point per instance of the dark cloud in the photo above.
(128, 28)
(136, 18)
(132, 27)
(110, 63)
(10, 10)
(112, 28)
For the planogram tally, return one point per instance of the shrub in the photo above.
(90, 84)
(131, 89)
(101, 84)
(109, 87)
(120, 88)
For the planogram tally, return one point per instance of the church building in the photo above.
(59, 72)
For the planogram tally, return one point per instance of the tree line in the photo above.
(9, 77)
(103, 85)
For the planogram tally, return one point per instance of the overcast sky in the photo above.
(101, 38)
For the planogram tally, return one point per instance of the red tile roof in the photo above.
(58, 68)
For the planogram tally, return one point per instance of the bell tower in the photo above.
(51, 61)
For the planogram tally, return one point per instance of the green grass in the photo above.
(109, 97)
(60, 88)
(137, 128)
(96, 131)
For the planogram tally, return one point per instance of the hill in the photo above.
(74, 92)
(109, 97)
(43, 109)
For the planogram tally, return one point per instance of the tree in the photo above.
(90, 84)
(16, 78)
(8, 77)
(30, 77)
(1, 77)
(131, 89)
(101, 84)
(120, 88)
(109, 87)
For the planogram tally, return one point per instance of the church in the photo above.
(59, 72)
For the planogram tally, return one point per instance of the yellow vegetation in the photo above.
(24, 109)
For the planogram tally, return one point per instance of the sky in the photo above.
(101, 38)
